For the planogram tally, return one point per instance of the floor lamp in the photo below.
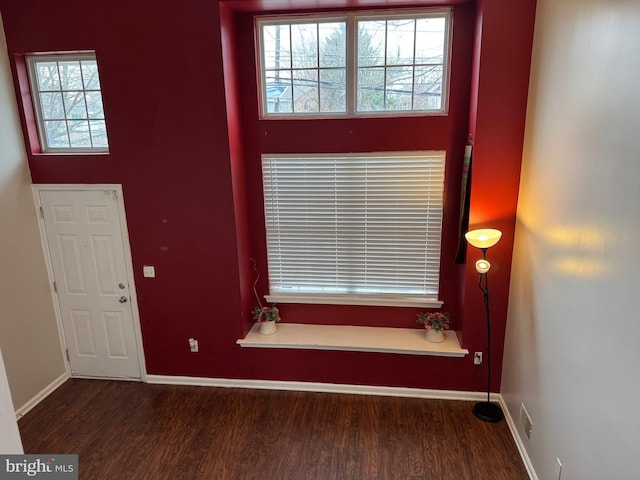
(484, 239)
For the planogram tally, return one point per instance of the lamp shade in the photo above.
(484, 237)
(482, 266)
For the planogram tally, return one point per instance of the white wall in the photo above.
(28, 332)
(572, 350)
(10, 442)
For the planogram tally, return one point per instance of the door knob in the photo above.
(123, 299)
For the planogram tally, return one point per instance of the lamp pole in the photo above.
(483, 239)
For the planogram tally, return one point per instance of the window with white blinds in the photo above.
(358, 229)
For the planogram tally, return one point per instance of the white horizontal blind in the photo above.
(354, 224)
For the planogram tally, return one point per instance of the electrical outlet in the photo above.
(558, 470)
(477, 358)
(525, 421)
(193, 345)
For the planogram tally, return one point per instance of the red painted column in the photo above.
(500, 81)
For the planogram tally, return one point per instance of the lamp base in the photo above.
(487, 411)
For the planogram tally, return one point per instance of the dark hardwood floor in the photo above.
(127, 430)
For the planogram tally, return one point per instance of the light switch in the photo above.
(149, 271)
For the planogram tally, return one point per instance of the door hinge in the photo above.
(68, 359)
(55, 287)
(41, 212)
(114, 193)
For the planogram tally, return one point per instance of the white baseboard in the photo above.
(44, 393)
(319, 387)
(120, 379)
(518, 439)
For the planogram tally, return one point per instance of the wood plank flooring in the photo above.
(128, 430)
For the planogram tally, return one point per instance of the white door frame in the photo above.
(37, 188)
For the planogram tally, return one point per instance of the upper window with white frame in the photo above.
(354, 64)
(68, 103)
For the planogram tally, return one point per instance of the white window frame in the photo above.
(31, 61)
(288, 234)
(351, 19)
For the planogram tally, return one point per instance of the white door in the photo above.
(86, 248)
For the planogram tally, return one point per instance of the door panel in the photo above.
(115, 334)
(105, 268)
(71, 264)
(87, 254)
(82, 331)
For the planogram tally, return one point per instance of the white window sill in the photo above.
(70, 152)
(408, 341)
(385, 301)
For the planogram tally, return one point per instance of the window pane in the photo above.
(333, 44)
(304, 43)
(47, 73)
(371, 39)
(333, 94)
(430, 40)
(370, 89)
(79, 133)
(276, 46)
(400, 42)
(70, 76)
(67, 90)
(305, 90)
(279, 91)
(51, 104)
(74, 104)
(428, 88)
(98, 133)
(90, 75)
(401, 39)
(399, 88)
(94, 104)
(56, 134)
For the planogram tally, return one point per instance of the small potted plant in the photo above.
(265, 316)
(435, 323)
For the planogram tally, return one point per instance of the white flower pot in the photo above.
(435, 337)
(268, 328)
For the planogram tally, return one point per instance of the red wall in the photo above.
(500, 83)
(188, 159)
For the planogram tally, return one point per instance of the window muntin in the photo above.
(354, 228)
(356, 64)
(68, 103)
